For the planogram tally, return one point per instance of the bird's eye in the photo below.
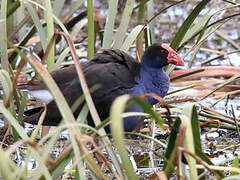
(162, 51)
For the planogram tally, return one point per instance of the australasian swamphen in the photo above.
(117, 73)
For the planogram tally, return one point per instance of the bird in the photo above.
(117, 73)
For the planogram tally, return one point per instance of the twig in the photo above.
(227, 100)
(204, 164)
(220, 168)
(5, 135)
(236, 123)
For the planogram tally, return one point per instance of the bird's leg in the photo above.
(45, 130)
(140, 124)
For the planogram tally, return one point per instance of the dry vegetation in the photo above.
(204, 95)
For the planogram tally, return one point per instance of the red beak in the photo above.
(173, 57)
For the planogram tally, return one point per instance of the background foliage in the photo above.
(40, 36)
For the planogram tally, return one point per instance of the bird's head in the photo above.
(159, 55)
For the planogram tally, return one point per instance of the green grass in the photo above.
(119, 32)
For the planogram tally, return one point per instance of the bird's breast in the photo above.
(156, 82)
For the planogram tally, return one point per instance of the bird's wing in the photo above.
(113, 70)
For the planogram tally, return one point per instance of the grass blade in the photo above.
(171, 151)
(131, 37)
(6, 170)
(187, 23)
(91, 39)
(6, 82)
(172, 138)
(152, 24)
(116, 111)
(13, 7)
(141, 17)
(148, 109)
(57, 7)
(3, 36)
(58, 21)
(199, 25)
(38, 25)
(184, 29)
(108, 30)
(121, 33)
(189, 140)
(50, 33)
